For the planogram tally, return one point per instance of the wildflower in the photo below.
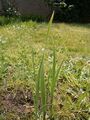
(43, 49)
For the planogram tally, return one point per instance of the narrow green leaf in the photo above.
(53, 73)
(33, 62)
(58, 71)
(49, 26)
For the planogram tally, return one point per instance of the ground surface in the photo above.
(72, 43)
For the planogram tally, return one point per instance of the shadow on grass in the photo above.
(10, 20)
(83, 25)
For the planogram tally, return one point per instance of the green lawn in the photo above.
(71, 39)
(72, 45)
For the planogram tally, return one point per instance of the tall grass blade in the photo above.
(37, 87)
(53, 73)
(39, 84)
(53, 82)
(33, 63)
(49, 26)
(42, 88)
(54, 77)
(40, 92)
(58, 71)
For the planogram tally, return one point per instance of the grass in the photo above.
(31, 56)
(69, 39)
(17, 41)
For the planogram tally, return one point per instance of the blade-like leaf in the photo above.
(42, 84)
(53, 73)
(49, 26)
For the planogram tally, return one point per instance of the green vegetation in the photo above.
(44, 71)
(71, 10)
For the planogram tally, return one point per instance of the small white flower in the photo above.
(81, 90)
(43, 49)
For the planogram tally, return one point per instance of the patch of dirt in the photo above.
(16, 103)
